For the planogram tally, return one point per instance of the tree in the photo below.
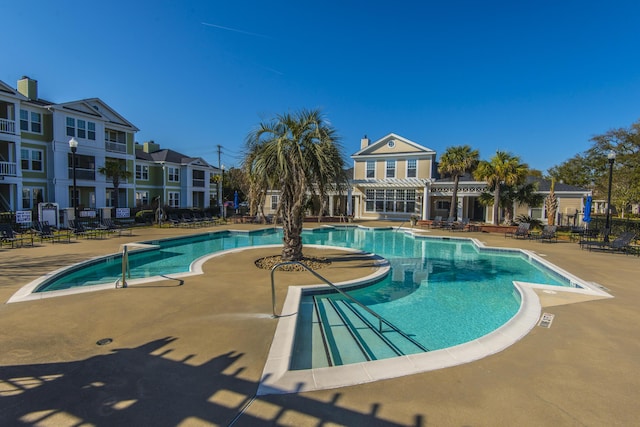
(455, 162)
(524, 194)
(551, 204)
(296, 154)
(115, 171)
(591, 168)
(503, 168)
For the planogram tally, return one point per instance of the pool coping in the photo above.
(278, 379)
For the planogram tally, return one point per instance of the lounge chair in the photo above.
(79, 229)
(521, 231)
(44, 231)
(548, 234)
(461, 225)
(11, 237)
(437, 222)
(621, 244)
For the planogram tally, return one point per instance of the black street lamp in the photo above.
(607, 227)
(73, 144)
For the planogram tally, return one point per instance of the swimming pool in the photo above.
(453, 260)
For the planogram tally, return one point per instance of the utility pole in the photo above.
(220, 181)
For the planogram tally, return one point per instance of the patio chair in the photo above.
(548, 234)
(79, 229)
(621, 244)
(521, 231)
(9, 236)
(44, 231)
(437, 222)
(460, 226)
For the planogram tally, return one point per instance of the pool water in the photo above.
(439, 292)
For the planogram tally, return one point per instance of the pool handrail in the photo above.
(381, 319)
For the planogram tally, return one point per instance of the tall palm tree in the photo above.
(296, 154)
(115, 171)
(503, 168)
(455, 162)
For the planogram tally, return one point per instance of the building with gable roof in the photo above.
(36, 161)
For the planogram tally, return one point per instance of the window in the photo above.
(30, 160)
(412, 166)
(443, 205)
(31, 197)
(111, 194)
(393, 201)
(371, 169)
(91, 132)
(142, 198)
(174, 199)
(81, 128)
(71, 126)
(142, 172)
(391, 169)
(30, 121)
(174, 174)
(274, 203)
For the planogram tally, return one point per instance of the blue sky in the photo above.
(537, 79)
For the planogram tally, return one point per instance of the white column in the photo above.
(330, 205)
(349, 207)
(425, 201)
(459, 210)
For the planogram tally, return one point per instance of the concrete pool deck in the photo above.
(186, 353)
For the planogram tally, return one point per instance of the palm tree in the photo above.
(455, 162)
(296, 154)
(115, 171)
(503, 168)
(525, 194)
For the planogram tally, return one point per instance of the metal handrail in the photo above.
(355, 301)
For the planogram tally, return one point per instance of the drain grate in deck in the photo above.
(546, 320)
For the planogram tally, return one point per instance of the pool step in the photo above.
(351, 335)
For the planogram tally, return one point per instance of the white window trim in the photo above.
(174, 199)
(416, 168)
(30, 160)
(143, 174)
(366, 169)
(387, 169)
(173, 174)
(30, 121)
(74, 133)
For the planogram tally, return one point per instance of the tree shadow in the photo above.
(142, 386)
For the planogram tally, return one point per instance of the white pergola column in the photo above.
(426, 203)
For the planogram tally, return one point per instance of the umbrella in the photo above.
(587, 210)
(235, 199)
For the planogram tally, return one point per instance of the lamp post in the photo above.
(607, 227)
(73, 144)
(160, 210)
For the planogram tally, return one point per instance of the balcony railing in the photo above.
(8, 168)
(7, 126)
(89, 174)
(198, 182)
(115, 147)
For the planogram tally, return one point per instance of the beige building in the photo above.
(395, 178)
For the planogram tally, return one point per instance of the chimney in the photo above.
(28, 87)
(150, 147)
(364, 142)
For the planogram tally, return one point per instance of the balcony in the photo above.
(198, 183)
(8, 169)
(89, 174)
(8, 126)
(115, 147)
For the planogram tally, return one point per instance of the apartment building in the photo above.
(36, 160)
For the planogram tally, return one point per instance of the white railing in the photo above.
(8, 168)
(198, 182)
(7, 126)
(89, 174)
(115, 147)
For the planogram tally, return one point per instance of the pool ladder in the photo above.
(126, 271)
